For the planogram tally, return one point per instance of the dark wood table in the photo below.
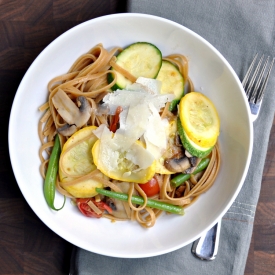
(27, 246)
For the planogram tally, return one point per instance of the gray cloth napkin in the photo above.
(238, 29)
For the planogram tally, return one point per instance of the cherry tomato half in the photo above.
(151, 187)
(87, 211)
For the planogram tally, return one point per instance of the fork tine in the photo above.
(255, 91)
(246, 77)
(261, 91)
(249, 90)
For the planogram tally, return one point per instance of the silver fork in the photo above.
(254, 84)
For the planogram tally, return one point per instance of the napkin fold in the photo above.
(238, 29)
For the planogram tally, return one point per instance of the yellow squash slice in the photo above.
(121, 165)
(76, 161)
(200, 119)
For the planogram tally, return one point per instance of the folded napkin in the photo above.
(238, 29)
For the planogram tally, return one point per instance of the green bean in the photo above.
(51, 174)
(139, 200)
(181, 178)
(173, 105)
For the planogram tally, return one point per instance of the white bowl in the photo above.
(211, 75)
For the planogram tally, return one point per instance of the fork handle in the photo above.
(206, 247)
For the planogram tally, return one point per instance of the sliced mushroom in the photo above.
(117, 205)
(194, 163)
(177, 165)
(72, 114)
(67, 130)
(190, 170)
(188, 154)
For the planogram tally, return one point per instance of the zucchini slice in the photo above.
(140, 59)
(200, 119)
(172, 82)
(190, 146)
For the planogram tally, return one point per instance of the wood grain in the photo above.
(27, 246)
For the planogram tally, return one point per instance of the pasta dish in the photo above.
(125, 136)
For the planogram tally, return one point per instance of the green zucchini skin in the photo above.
(190, 146)
(172, 80)
(141, 59)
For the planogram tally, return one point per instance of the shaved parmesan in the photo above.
(139, 120)
(152, 86)
(155, 135)
(140, 157)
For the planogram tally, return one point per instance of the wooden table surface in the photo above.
(27, 246)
